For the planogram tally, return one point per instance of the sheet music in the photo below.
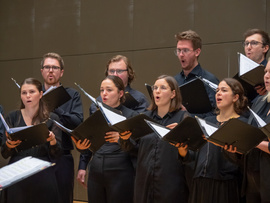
(112, 117)
(50, 89)
(21, 169)
(12, 130)
(88, 95)
(260, 121)
(245, 64)
(160, 130)
(206, 127)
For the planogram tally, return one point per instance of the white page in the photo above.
(208, 128)
(245, 64)
(111, 116)
(209, 83)
(12, 130)
(61, 126)
(160, 130)
(260, 121)
(50, 89)
(20, 169)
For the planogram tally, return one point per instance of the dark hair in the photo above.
(43, 113)
(117, 58)
(241, 104)
(265, 36)
(192, 36)
(176, 102)
(54, 56)
(118, 82)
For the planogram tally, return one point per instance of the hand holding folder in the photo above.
(30, 136)
(233, 132)
(105, 120)
(186, 132)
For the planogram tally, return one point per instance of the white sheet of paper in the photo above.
(246, 64)
(161, 130)
(112, 117)
(208, 128)
(258, 118)
(20, 169)
(50, 89)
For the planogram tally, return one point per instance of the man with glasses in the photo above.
(120, 66)
(256, 45)
(188, 50)
(71, 115)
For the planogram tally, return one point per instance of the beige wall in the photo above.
(87, 33)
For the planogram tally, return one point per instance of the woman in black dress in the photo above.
(111, 170)
(159, 174)
(216, 179)
(41, 187)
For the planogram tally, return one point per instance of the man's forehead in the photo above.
(117, 65)
(51, 60)
(254, 36)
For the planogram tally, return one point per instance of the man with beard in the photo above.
(71, 115)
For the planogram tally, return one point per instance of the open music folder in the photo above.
(250, 71)
(187, 132)
(30, 136)
(55, 97)
(233, 132)
(104, 120)
(21, 170)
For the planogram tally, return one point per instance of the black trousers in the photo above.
(64, 172)
(111, 179)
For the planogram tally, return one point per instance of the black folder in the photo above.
(187, 131)
(130, 101)
(195, 97)
(236, 133)
(149, 90)
(136, 125)
(56, 97)
(31, 136)
(93, 129)
(250, 92)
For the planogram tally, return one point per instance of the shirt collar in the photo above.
(195, 71)
(155, 115)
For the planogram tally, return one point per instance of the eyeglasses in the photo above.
(184, 51)
(162, 88)
(251, 43)
(112, 71)
(54, 68)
